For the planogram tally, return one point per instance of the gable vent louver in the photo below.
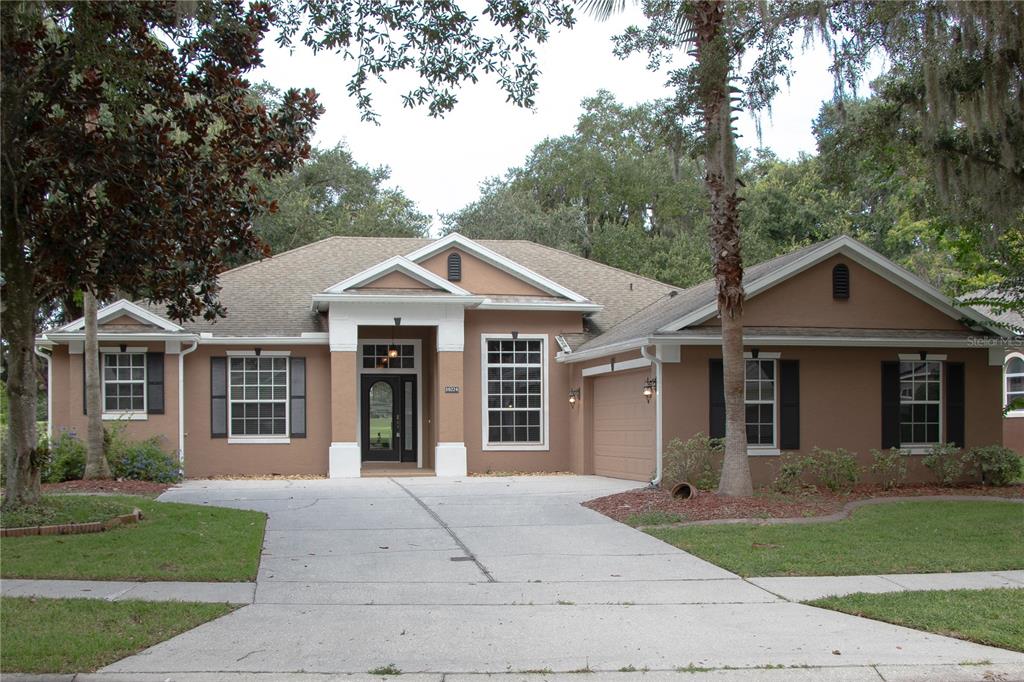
(841, 282)
(454, 267)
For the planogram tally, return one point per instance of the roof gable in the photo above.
(117, 311)
(480, 277)
(517, 270)
(405, 269)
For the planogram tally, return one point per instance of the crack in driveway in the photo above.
(456, 538)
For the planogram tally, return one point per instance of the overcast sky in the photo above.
(441, 162)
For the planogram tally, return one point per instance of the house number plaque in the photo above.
(451, 389)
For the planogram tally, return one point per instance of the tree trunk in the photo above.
(713, 66)
(22, 458)
(95, 458)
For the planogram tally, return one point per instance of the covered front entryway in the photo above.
(624, 422)
(390, 412)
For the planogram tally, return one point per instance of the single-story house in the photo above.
(1013, 379)
(453, 355)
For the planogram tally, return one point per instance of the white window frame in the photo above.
(1006, 384)
(924, 448)
(545, 421)
(124, 415)
(773, 448)
(247, 439)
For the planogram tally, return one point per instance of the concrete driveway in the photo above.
(501, 575)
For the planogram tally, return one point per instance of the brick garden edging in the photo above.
(842, 514)
(74, 528)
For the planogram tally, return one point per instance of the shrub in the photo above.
(791, 472)
(66, 461)
(890, 466)
(697, 461)
(994, 464)
(945, 462)
(836, 469)
(140, 460)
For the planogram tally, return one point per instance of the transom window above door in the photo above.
(389, 355)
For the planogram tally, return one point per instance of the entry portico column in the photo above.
(345, 458)
(450, 453)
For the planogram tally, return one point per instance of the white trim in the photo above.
(1012, 414)
(450, 459)
(344, 460)
(619, 367)
(762, 451)
(414, 299)
(761, 355)
(863, 255)
(307, 339)
(133, 416)
(456, 240)
(252, 353)
(258, 440)
(563, 344)
(659, 387)
(545, 444)
(571, 306)
(396, 264)
(71, 338)
(38, 348)
(417, 370)
(916, 357)
(123, 307)
(181, 404)
(127, 349)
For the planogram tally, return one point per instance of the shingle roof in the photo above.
(668, 308)
(273, 297)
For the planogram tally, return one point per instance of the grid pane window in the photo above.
(920, 397)
(1015, 380)
(378, 356)
(515, 391)
(759, 396)
(124, 382)
(259, 396)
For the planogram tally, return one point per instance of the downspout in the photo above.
(49, 390)
(656, 481)
(181, 404)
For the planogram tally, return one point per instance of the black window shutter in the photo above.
(155, 383)
(789, 404)
(716, 399)
(219, 397)
(955, 386)
(890, 405)
(297, 398)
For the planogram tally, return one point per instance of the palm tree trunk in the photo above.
(95, 459)
(713, 67)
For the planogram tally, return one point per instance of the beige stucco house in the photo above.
(452, 356)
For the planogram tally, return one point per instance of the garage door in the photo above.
(624, 422)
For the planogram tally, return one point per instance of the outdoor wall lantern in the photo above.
(650, 386)
(574, 396)
(393, 349)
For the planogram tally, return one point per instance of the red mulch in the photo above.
(147, 488)
(765, 505)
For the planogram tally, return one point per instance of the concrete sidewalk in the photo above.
(815, 587)
(232, 593)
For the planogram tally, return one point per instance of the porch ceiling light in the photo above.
(650, 386)
(574, 396)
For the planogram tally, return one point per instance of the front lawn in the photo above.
(59, 509)
(172, 542)
(902, 537)
(77, 635)
(992, 617)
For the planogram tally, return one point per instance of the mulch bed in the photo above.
(768, 505)
(147, 488)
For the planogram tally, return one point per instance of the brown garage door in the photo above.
(624, 422)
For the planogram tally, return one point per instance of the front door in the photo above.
(388, 417)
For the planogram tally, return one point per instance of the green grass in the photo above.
(172, 542)
(75, 635)
(902, 537)
(652, 518)
(984, 616)
(57, 509)
(381, 426)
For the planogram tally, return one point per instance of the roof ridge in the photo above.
(590, 260)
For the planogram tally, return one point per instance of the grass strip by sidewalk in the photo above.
(990, 617)
(172, 542)
(79, 635)
(59, 509)
(902, 537)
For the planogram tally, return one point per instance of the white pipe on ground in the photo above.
(658, 449)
